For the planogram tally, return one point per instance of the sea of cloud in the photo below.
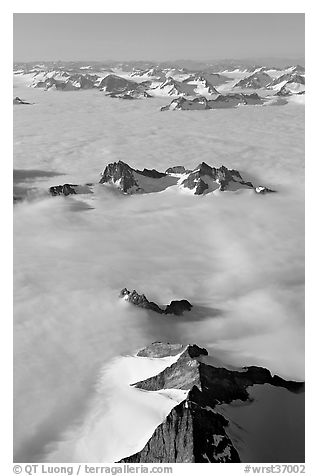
(238, 257)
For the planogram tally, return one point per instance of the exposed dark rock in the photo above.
(222, 101)
(129, 180)
(252, 99)
(139, 300)
(194, 431)
(116, 85)
(289, 78)
(153, 173)
(175, 307)
(122, 173)
(209, 178)
(203, 179)
(189, 434)
(218, 385)
(65, 189)
(283, 92)
(213, 79)
(176, 88)
(257, 80)
(69, 189)
(178, 307)
(177, 169)
(161, 349)
(183, 104)
(18, 101)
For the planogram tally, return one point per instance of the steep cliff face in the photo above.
(205, 178)
(193, 431)
(121, 174)
(258, 80)
(201, 180)
(190, 434)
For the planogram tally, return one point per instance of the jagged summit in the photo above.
(257, 80)
(222, 101)
(175, 307)
(201, 180)
(117, 85)
(217, 384)
(194, 431)
(206, 178)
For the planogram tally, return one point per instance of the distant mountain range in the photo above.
(220, 85)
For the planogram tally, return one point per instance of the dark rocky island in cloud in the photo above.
(201, 180)
(18, 101)
(175, 307)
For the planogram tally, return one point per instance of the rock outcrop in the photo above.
(19, 101)
(222, 101)
(257, 80)
(204, 178)
(65, 80)
(213, 79)
(66, 189)
(201, 180)
(117, 86)
(129, 180)
(175, 307)
(122, 175)
(177, 169)
(69, 189)
(194, 431)
(189, 434)
(178, 307)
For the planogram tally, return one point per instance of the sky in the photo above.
(157, 36)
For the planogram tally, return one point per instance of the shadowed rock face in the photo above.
(200, 179)
(194, 432)
(116, 85)
(203, 179)
(190, 434)
(65, 190)
(183, 104)
(178, 169)
(121, 173)
(178, 307)
(69, 189)
(288, 77)
(153, 173)
(257, 80)
(175, 307)
(223, 101)
(19, 101)
(283, 92)
(139, 300)
(218, 385)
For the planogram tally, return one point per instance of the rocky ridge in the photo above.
(194, 431)
(222, 101)
(175, 307)
(257, 80)
(201, 180)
